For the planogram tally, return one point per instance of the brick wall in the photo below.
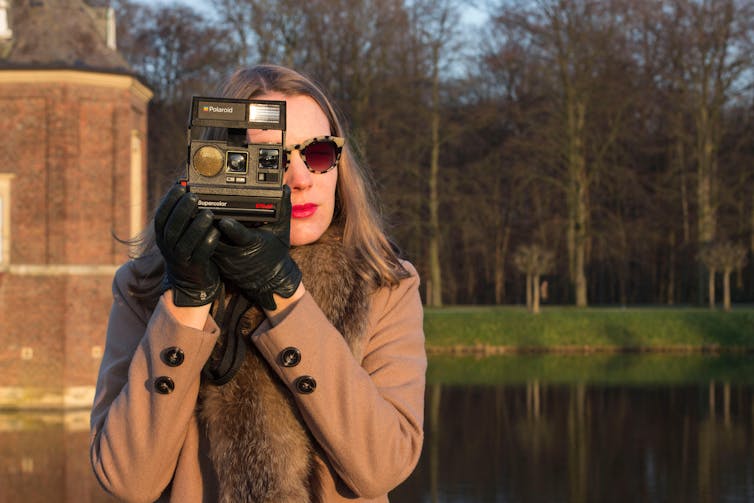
(55, 330)
(69, 147)
(67, 140)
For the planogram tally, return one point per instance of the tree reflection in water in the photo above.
(528, 441)
(582, 443)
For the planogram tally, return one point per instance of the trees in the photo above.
(435, 22)
(533, 260)
(724, 257)
(708, 70)
(173, 48)
(616, 133)
(587, 59)
(631, 113)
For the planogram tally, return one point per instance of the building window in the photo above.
(5, 179)
(5, 31)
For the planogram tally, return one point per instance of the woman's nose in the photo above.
(297, 176)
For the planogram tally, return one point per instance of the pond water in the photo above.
(539, 428)
(599, 428)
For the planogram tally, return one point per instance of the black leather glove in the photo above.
(187, 240)
(256, 260)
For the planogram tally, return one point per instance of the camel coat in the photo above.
(367, 416)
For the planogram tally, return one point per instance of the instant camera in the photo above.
(231, 176)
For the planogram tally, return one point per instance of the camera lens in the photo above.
(208, 160)
(236, 162)
(268, 158)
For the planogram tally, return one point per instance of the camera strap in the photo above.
(230, 349)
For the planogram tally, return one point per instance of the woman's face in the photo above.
(312, 194)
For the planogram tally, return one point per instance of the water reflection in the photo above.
(515, 429)
(577, 443)
(44, 458)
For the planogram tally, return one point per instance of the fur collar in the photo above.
(259, 445)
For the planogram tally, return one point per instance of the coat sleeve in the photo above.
(367, 416)
(136, 431)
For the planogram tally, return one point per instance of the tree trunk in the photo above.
(577, 179)
(463, 272)
(711, 288)
(684, 193)
(751, 243)
(434, 297)
(671, 271)
(502, 237)
(705, 169)
(726, 289)
(578, 201)
(528, 292)
(535, 293)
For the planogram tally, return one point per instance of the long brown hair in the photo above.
(356, 208)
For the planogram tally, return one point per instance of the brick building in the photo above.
(72, 175)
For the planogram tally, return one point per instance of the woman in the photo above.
(239, 369)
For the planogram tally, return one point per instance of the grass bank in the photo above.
(504, 329)
(607, 369)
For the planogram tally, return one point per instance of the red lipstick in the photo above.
(303, 210)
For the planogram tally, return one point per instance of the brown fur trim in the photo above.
(259, 444)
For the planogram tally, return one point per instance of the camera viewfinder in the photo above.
(268, 158)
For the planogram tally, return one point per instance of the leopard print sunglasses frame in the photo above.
(317, 161)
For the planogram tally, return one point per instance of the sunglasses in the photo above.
(320, 154)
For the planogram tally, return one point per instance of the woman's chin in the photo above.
(305, 231)
(304, 234)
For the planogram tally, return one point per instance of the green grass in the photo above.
(570, 328)
(650, 369)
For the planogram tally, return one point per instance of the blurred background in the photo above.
(615, 134)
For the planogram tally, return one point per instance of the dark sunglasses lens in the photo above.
(320, 155)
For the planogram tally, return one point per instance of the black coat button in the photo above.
(290, 357)
(306, 384)
(172, 356)
(164, 385)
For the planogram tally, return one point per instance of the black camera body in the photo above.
(230, 176)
